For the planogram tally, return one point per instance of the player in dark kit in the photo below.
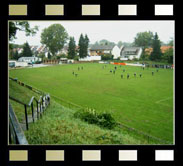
(152, 73)
(128, 76)
(140, 75)
(134, 74)
(121, 75)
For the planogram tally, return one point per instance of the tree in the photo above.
(26, 51)
(168, 55)
(72, 48)
(15, 55)
(15, 26)
(41, 55)
(144, 39)
(54, 37)
(106, 42)
(120, 43)
(86, 41)
(81, 46)
(49, 55)
(171, 42)
(156, 53)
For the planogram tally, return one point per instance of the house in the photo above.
(129, 53)
(64, 50)
(31, 60)
(98, 50)
(149, 50)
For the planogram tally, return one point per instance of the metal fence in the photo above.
(16, 134)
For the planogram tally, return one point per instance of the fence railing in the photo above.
(16, 134)
(41, 105)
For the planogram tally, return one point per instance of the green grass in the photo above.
(22, 94)
(145, 104)
(59, 126)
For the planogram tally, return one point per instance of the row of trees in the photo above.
(54, 38)
(82, 47)
(149, 40)
(26, 52)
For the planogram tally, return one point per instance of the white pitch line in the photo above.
(163, 100)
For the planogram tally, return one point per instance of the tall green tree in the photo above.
(49, 55)
(16, 55)
(72, 48)
(54, 37)
(144, 39)
(26, 51)
(156, 45)
(81, 46)
(86, 40)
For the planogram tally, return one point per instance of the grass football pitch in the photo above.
(145, 103)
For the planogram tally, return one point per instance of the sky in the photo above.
(113, 31)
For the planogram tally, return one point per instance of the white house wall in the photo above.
(116, 52)
(91, 58)
(139, 53)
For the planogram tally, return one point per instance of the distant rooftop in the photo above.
(101, 47)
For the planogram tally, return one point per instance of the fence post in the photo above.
(32, 111)
(26, 119)
(40, 111)
(42, 104)
(37, 110)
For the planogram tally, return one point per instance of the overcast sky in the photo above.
(113, 31)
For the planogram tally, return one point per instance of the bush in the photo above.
(104, 120)
(62, 55)
(76, 58)
(135, 59)
(107, 57)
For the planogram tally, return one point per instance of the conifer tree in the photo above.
(16, 55)
(26, 51)
(86, 45)
(81, 46)
(72, 48)
(156, 53)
